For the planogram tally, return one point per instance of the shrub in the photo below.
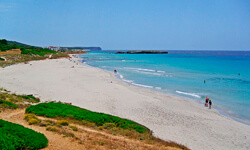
(7, 104)
(8, 100)
(30, 98)
(32, 119)
(29, 116)
(62, 123)
(99, 119)
(74, 128)
(100, 127)
(109, 125)
(51, 128)
(42, 125)
(49, 122)
(88, 124)
(14, 136)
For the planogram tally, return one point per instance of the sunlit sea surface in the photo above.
(226, 75)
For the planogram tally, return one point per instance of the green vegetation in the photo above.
(28, 53)
(62, 123)
(5, 46)
(32, 119)
(25, 49)
(109, 125)
(49, 122)
(53, 110)
(61, 131)
(74, 128)
(52, 128)
(65, 115)
(21, 44)
(6, 104)
(13, 101)
(30, 97)
(37, 51)
(14, 136)
(19, 58)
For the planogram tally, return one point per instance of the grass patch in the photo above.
(14, 98)
(14, 136)
(53, 110)
(7, 104)
(31, 98)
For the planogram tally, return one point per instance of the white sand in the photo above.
(170, 117)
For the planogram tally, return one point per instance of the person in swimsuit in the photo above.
(210, 104)
(206, 101)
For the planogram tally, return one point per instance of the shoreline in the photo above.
(171, 118)
(219, 109)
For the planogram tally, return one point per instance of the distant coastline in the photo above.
(142, 52)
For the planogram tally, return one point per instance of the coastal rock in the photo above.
(142, 52)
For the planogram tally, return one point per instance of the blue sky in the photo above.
(130, 24)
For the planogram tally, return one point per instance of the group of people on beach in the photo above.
(208, 101)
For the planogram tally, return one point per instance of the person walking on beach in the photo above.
(206, 101)
(210, 104)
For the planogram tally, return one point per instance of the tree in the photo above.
(3, 41)
(14, 46)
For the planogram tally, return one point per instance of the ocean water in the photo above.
(227, 75)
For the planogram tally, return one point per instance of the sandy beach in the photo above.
(169, 117)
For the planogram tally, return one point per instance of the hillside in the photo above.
(8, 45)
(12, 52)
(21, 44)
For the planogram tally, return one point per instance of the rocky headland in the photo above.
(142, 52)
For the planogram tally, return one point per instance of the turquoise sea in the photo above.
(226, 75)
